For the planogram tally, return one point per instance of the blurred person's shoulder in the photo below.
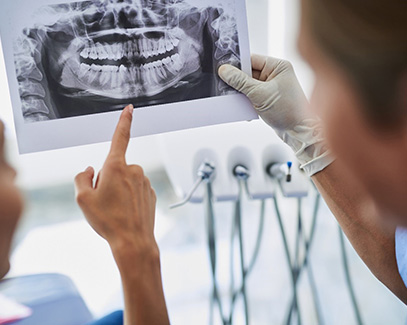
(401, 252)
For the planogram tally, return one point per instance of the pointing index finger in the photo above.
(121, 136)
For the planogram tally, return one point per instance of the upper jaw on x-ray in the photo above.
(94, 56)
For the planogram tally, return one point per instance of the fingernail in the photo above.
(88, 169)
(130, 108)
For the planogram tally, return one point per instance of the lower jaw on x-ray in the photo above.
(97, 56)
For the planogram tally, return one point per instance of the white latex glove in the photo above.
(280, 101)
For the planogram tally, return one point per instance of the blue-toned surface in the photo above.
(115, 318)
(52, 297)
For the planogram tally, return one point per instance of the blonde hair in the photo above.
(368, 39)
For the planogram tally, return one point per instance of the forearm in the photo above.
(142, 285)
(372, 238)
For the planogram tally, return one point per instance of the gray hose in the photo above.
(290, 266)
(348, 278)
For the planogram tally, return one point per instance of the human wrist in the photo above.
(135, 253)
(309, 146)
(318, 164)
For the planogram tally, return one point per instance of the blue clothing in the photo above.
(115, 318)
(401, 252)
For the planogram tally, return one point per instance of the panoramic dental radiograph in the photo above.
(97, 56)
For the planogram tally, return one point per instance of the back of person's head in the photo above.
(368, 40)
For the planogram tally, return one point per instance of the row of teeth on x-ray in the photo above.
(143, 47)
(152, 73)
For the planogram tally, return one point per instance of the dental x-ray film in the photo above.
(73, 66)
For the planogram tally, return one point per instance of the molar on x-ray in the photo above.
(97, 56)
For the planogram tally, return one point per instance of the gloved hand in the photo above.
(280, 101)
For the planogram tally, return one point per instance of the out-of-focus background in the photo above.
(54, 237)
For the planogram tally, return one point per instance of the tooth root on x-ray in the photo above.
(122, 50)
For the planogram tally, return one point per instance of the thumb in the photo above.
(237, 79)
(84, 181)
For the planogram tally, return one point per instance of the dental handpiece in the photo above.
(280, 171)
(241, 172)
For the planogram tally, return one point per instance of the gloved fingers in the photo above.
(258, 67)
(237, 79)
(268, 67)
(256, 74)
(258, 62)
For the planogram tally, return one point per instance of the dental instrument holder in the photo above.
(291, 181)
(280, 171)
(242, 174)
(206, 173)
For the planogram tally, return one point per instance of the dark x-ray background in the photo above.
(56, 80)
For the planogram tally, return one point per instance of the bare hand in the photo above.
(121, 205)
